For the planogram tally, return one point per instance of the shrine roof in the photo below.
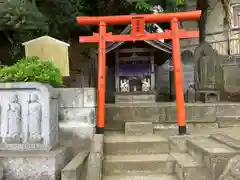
(158, 44)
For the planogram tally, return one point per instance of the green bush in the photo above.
(32, 69)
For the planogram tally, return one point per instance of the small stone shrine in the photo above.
(208, 74)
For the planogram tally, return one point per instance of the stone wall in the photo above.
(77, 107)
(165, 113)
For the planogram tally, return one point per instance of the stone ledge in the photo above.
(95, 158)
(34, 165)
(74, 170)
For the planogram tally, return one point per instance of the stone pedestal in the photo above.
(40, 165)
(209, 96)
(30, 132)
(135, 97)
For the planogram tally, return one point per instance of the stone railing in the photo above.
(86, 165)
(231, 171)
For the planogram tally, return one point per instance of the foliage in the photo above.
(32, 69)
(22, 20)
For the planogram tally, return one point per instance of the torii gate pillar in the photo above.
(138, 34)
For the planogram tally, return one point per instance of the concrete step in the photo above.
(197, 174)
(123, 144)
(227, 140)
(184, 162)
(151, 163)
(141, 177)
(213, 154)
(201, 147)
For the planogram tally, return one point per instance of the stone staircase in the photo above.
(151, 156)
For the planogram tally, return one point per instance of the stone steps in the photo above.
(147, 144)
(213, 154)
(195, 157)
(151, 163)
(141, 176)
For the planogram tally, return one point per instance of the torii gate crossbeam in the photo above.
(138, 34)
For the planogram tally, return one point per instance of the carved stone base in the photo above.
(208, 96)
(34, 165)
(135, 97)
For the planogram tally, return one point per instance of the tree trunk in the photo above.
(203, 6)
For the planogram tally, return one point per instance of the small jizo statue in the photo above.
(34, 119)
(13, 124)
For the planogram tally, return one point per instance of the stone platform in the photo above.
(135, 97)
(31, 165)
(165, 115)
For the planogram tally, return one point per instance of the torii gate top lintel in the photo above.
(138, 24)
(148, 18)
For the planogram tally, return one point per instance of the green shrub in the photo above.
(32, 69)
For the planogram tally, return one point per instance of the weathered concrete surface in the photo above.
(138, 128)
(76, 135)
(148, 144)
(77, 117)
(165, 113)
(94, 167)
(34, 165)
(75, 169)
(208, 154)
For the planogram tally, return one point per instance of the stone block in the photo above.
(94, 168)
(97, 143)
(90, 97)
(228, 109)
(29, 116)
(138, 128)
(84, 115)
(228, 121)
(76, 135)
(209, 96)
(135, 98)
(34, 165)
(70, 97)
(74, 170)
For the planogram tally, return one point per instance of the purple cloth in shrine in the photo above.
(134, 70)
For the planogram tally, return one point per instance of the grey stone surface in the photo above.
(154, 163)
(76, 135)
(77, 97)
(138, 128)
(198, 114)
(74, 170)
(147, 144)
(231, 170)
(29, 116)
(208, 71)
(231, 79)
(34, 165)
(71, 97)
(84, 115)
(95, 159)
(135, 98)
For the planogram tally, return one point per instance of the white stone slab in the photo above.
(29, 116)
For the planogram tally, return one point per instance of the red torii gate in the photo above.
(138, 34)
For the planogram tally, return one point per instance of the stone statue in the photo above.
(191, 94)
(208, 71)
(14, 121)
(34, 119)
(146, 85)
(124, 85)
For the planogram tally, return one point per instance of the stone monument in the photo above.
(29, 138)
(208, 75)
